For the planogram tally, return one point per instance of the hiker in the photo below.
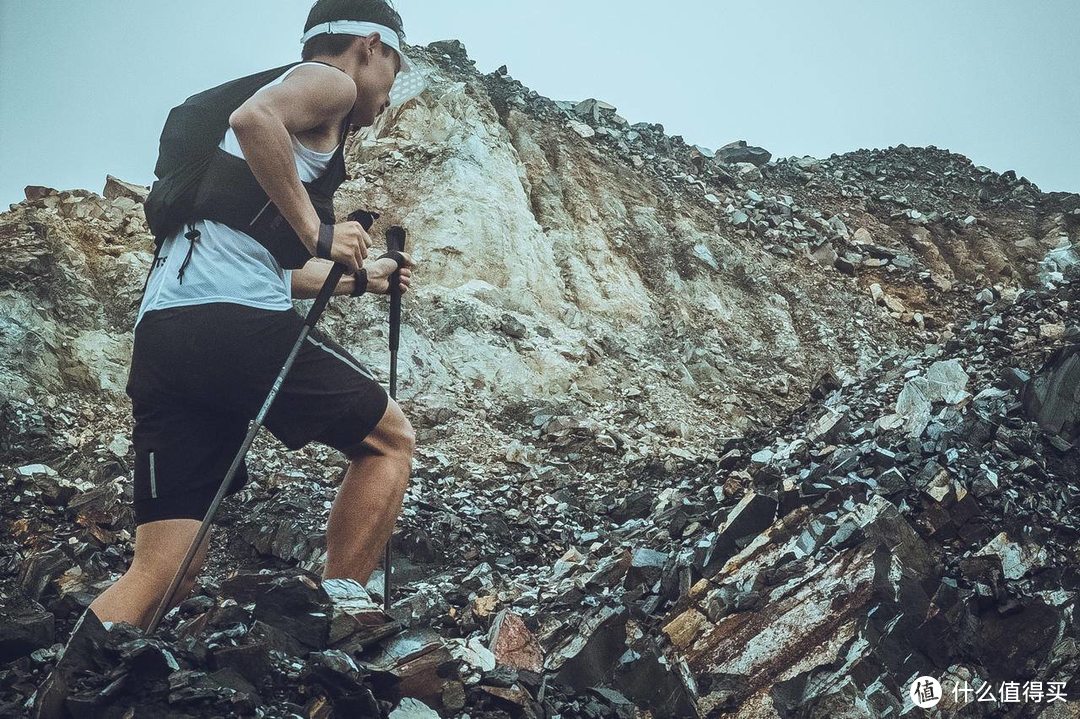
(216, 323)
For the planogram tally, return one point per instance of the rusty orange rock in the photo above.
(513, 644)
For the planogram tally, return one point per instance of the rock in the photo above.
(115, 188)
(512, 327)
(589, 110)
(646, 566)
(845, 265)
(946, 381)
(410, 708)
(703, 253)
(825, 255)
(750, 516)
(876, 293)
(739, 151)
(582, 129)
(589, 656)
(513, 644)
(747, 171)
(297, 606)
(410, 665)
(26, 626)
(633, 506)
(252, 661)
(335, 674)
(83, 653)
(1052, 398)
(38, 192)
(1016, 559)
(652, 680)
(149, 658)
(828, 427)
(356, 620)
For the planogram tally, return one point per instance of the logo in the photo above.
(925, 692)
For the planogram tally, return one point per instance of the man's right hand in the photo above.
(351, 243)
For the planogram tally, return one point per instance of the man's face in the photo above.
(375, 78)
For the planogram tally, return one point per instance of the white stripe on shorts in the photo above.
(346, 360)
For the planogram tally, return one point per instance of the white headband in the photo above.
(407, 84)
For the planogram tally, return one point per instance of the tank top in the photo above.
(227, 265)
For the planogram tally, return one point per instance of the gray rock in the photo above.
(739, 151)
(1052, 398)
(26, 626)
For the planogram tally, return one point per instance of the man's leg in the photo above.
(160, 548)
(369, 500)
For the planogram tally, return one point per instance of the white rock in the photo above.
(703, 253)
(877, 293)
(914, 406)
(1016, 559)
(947, 382)
(582, 129)
(120, 445)
(30, 470)
(410, 708)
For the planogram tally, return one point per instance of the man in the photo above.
(216, 324)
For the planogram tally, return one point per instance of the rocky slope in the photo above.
(699, 433)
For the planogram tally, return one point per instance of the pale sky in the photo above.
(85, 85)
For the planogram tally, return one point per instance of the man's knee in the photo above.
(393, 435)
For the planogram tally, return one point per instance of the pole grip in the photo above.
(395, 240)
(366, 220)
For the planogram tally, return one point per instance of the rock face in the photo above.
(699, 434)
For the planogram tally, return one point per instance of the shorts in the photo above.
(200, 373)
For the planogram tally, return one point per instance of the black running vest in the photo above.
(199, 180)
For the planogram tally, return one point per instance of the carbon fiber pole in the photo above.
(395, 240)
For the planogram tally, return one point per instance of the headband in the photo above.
(407, 84)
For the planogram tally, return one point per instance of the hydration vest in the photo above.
(197, 180)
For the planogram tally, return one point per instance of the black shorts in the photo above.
(199, 374)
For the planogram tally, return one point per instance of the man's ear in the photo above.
(371, 41)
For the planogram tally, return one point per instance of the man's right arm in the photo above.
(308, 98)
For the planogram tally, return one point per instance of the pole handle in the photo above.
(366, 220)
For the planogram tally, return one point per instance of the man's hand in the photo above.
(379, 272)
(351, 243)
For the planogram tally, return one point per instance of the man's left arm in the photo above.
(309, 279)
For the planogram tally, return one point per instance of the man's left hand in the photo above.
(379, 272)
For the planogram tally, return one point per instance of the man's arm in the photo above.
(308, 98)
(308, 280)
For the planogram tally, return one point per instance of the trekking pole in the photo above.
(312, 317)
(395, 240)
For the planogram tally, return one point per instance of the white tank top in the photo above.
(227, 265)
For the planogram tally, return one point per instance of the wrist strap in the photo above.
(395, 256)
(326, 241)
(361, 283)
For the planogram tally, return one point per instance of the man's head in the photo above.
(372, 61)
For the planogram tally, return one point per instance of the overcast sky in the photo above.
(86, 85)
